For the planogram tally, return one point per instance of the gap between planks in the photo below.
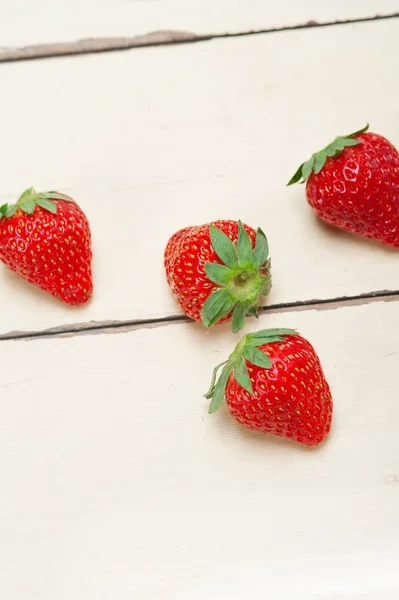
(156, 38)
(111, 327)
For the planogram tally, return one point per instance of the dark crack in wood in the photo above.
(156, 38)
(101, 327)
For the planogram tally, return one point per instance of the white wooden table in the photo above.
(116, 483)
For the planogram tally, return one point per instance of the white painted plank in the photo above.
(27, 22)
(116, 483)
(153, 140)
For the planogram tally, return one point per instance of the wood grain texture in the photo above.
(152, 140)
(116, 483)
(37, 22)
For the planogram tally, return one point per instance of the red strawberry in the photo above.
(218, 271)
(45, 239)
(273, 382)
(354, 184)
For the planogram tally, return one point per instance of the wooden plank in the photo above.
(117, 483)
(157, 139)
(27, 22)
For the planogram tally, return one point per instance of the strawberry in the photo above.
(218, 271)
(45, 239)
(354, 184)
(273, 382)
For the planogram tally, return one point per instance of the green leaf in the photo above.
(307, 167)
(244, 246)
(11, 210)
(223, 247)
(253, 310)
(225, 310)
(242, 377)
(238, 317)
(28, 206)
(218, 305)
(363, 130)
(297, 176)
(211, 390)
(350, 142)
(257, 357)
(54, 196)
(213, 305)
(320, 161)
(330, 151)
(26, 195)
(220, 387)
(272, 332)
(3, 209)
(315, 163)
(261, 251)
(337, 145)
(265, 340)
(266, 286)
(340, 143)
(217, 273)
(46, 204)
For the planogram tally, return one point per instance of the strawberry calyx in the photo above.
(242, 278)
(246, 350)
(28, 201)
(317, 161)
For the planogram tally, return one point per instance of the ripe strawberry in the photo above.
(218, 271)
(354, 184)
(45, 239)
(273, 382)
